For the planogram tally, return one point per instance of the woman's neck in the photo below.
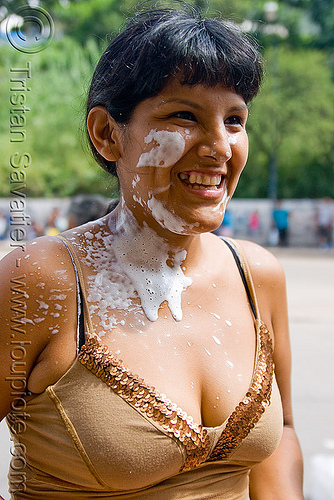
(155, 264)
(125, 220)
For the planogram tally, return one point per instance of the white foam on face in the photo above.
(135, 262)
(167, 151)
(163, 216)
(167, 219)
(232, 140)
(224, 201)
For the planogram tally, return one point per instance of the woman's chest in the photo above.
(204, 363)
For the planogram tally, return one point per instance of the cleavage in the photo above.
(205, 375)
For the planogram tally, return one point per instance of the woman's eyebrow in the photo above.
(180, 101)
(241, 107)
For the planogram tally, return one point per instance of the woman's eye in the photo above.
(234, 120)
(184, 115)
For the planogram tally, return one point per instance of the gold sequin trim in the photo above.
(249, 411)
(100, 361)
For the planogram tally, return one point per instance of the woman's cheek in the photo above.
(167, 149)
(245, 147)
(239, 154)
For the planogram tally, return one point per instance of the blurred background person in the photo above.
(254, 224)
(56, 222)
(281, 220)
(227, 226)
(325, 220)
(85, 208)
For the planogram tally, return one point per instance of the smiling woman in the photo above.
(188, 134)
(150, 361)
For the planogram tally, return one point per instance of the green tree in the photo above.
(293, 117)
(305, 21)
(322, 12)
(86, 19)
(61, 164)
(291, 120)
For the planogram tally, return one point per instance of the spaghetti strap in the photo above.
(82, 289)
(245, 274)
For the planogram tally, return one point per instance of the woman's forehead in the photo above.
(195, 95)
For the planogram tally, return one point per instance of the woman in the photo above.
(147, 354)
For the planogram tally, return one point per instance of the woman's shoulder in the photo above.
(36, 276)
(263, 265)
(45, 257)
(262, 262)
(269, 282)
(37, 301)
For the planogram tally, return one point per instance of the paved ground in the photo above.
(310, 281)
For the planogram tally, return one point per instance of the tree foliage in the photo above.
(307, 21)
(292, 118)
(61, 164)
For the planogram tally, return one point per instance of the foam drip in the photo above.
(135, 262)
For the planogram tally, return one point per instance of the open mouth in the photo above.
(199, 181)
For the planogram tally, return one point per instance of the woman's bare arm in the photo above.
(279, 477)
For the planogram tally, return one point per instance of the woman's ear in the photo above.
(104, 133)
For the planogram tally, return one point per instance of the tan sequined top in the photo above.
(102, 432)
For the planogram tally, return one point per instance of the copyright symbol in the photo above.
(30, 30)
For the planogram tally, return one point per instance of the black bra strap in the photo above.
(81, 329)
(242, 274)
(81, 321)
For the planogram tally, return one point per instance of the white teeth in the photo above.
(197, 179)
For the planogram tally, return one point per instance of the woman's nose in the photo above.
(216, 145)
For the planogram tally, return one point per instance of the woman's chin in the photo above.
(197, 227)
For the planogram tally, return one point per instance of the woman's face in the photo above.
(181, 156)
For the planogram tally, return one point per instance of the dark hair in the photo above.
(158, 44)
